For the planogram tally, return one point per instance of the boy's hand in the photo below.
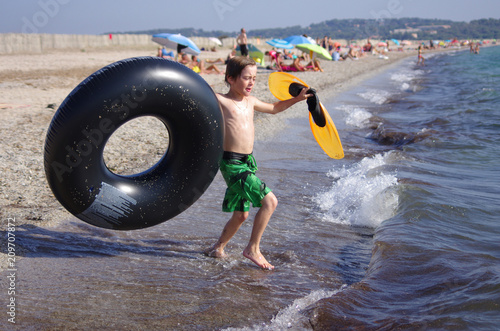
(303, 94)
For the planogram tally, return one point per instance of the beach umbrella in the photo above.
(295, 40)
(170, 40)
(395, 41)
(406, 42)
(320, 51)
(382, 44)
(215, 40)
(336, 44)
(280, 43)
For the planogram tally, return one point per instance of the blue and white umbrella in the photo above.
(172, 41)
(296, 40)
(280, 43)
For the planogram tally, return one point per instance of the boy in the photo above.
(238, 165)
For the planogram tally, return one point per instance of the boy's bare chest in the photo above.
(240, 113)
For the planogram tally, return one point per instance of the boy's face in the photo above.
(244, 83)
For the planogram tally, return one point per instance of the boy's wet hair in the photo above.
(236, 65)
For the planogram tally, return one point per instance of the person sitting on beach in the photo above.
(336, 56)
(162, 52)
(273, 59)
(198, 66)
(180, 52)
(273, 55)
(195, 64)
(221, 60)
(306, 56)
(293, 67)
(368, 47)
(192, 63)
(287, 54)
(230, 56)
(238, 165)
(313, 65)
(351, 54)
(184, 59)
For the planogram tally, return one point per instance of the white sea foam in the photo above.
(360, 195)
(375, 96)
(291, 317)
(355, 116)
(405, 76)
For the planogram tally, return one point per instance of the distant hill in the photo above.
(398, 28)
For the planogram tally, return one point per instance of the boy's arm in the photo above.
(279, 106)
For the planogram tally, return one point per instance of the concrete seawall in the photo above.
(19, 43)
(12, 43)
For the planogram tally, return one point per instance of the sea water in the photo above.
(434, 134)
(402, 233)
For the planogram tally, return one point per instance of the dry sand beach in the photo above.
(32, 86)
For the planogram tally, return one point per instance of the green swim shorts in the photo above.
(243, 186)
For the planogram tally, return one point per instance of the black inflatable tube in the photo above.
(97, 107)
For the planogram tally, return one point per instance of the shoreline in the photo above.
(33, 87)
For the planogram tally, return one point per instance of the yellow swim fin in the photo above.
(279, 84)
(327, 136)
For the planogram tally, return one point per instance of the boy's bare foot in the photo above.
(258, 259)
(216, 252)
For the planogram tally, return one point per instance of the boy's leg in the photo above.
(252, 251)
(230, 229)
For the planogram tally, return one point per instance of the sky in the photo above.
(102, 16)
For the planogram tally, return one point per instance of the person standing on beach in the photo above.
(421, 59)
(238, 165)
(243, 42)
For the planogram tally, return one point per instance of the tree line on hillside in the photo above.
(352, 29)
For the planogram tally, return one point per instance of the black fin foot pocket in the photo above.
(315, 109)
(295, 88)
(312, 103)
